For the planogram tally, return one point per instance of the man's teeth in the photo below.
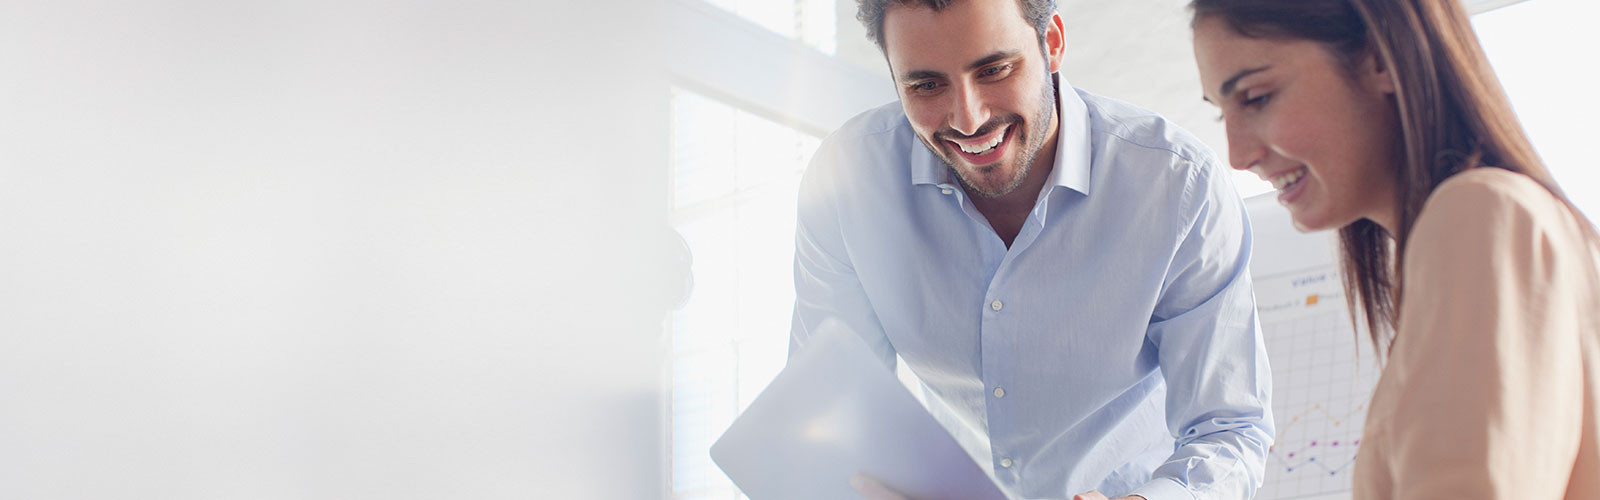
(982, 148)
(1285, 180)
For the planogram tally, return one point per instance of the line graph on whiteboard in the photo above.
(1322, 379)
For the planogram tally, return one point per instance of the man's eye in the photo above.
(924, 87)
(993, 71)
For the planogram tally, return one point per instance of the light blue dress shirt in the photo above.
(1114, 346)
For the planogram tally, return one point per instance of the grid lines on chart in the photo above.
(1320, 393)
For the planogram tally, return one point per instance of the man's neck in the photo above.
(1007, 213)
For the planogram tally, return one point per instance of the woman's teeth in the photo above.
(982, 148)
(1288, 179)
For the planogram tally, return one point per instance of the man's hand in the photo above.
(1095, 495)
(871, 489)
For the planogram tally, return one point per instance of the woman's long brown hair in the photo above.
(1453, 116)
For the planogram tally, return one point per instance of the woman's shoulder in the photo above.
(1490, 184)
(1492, 216)
(1501, 198)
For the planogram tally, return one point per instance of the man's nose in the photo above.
(969, 113)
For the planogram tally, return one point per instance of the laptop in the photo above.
(835, 411)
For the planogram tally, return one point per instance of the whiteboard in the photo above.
(1322, 376)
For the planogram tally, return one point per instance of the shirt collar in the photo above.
(1073, 152)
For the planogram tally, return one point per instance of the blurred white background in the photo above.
(349, 249)
(423, 249)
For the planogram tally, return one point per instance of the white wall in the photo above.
(354, 249)
(1551, 90)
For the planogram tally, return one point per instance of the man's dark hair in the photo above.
(870, 13)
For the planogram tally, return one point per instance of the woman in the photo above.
(1473, 272)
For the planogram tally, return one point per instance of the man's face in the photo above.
(976, 88)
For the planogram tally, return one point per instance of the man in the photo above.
(1065, 274)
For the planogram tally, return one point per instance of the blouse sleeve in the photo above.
(1487, 351)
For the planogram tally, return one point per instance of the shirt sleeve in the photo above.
(1486, 357)
(1212, 355)
(828, 293)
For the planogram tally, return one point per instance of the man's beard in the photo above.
(1032, 135)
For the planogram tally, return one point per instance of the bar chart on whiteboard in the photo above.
(1322, 374)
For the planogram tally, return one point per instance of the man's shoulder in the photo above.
(1120, 125)
(1141, 155)
(871, 124)
(869, 155)
(871, 146)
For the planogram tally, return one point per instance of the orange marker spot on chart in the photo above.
(1311, 300)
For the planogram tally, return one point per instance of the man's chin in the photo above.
(978, 170)
(986, 181)
(988, 188)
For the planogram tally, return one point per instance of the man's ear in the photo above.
(1055, 42)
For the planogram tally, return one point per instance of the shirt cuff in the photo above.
(1162, 488)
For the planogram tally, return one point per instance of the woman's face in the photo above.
(1325, 135)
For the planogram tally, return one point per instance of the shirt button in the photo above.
(999, 393)
(947, 191)
(995, 305)
(1005, 462)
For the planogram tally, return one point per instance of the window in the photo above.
(1541, 50)
(812, 22)
(736, 178)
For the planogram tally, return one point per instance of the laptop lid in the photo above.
(835, 410)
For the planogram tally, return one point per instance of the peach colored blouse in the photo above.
(1492, 388)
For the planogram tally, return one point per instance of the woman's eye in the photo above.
(1257, 101)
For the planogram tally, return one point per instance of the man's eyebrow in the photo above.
(992, 58)
(981, 62)
(920, 75)
(1233, 81)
